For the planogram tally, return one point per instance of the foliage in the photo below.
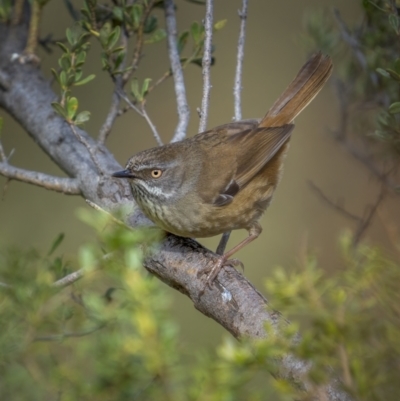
(107, 336)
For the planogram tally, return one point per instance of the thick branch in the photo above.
(179, 83)
(68, 186)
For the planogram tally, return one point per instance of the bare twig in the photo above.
(137, 52)
(206, 64)
(365, 223)
(69, 279)
(68, 186)
(89, 148)
(335, 205)
(142, 112)
(237, 89)
(62, 336)
(114, 108)
(179, 83)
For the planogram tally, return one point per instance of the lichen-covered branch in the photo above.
(179, 83)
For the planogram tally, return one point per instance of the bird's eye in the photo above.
(156, 173)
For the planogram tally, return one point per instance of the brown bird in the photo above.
(223, 179)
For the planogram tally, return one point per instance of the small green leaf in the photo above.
(157, 36)
(63, 47)
(64, 62)
(220, 24)
(397, 65)
(137, 11)
(59, 109)
(80, 58)
(394, 22)
(182, 40)
(70, 36)
(63, 79)
(145, 86)
(394, 108)
(383, 72)
(150, 24)
(85, 80)
(195, 31)
(393, 74)
(118, 13)
(82, 117)
(55, 75)
(72, 107)
(135, 90)
(113, 38)
(56, 243)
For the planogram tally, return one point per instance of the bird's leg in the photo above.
(223, 243)
(254, 232)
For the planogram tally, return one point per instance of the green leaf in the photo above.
(145, 86)
(59, 109)
(64, 62)
(157, 36)
(63, 47)
(80, 58)
(113, 38)
(397, 65)
(63, 79)
(195, 31)
(150, 24)
(118, 13)
(85, 80)
(137, 11)
(70, 36)
(220, 24)
(56, 243)
(72, 107)
(383, 72)
(55, 75)
(182, 40)
(394, 108)
(82, 117)
(394, 22)
(393, 74)
(135, 90)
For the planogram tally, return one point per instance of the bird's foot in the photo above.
(212, 272)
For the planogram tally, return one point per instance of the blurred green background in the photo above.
(297, 219)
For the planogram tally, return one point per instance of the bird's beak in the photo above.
(123, 174)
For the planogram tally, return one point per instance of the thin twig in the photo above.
(206, 65)
(62, 336)
(69, 279)
(114, 108)
(237, 89)
(86, 144)
(334, 205)
(137, 52)
(179, 83)
(68, 186)
(364, 224)
(142, 112)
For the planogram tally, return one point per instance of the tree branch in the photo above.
(237, 89)
(179, 83)
(206, 65)
(68, 186)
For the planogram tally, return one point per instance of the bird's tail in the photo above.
(302, 90)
